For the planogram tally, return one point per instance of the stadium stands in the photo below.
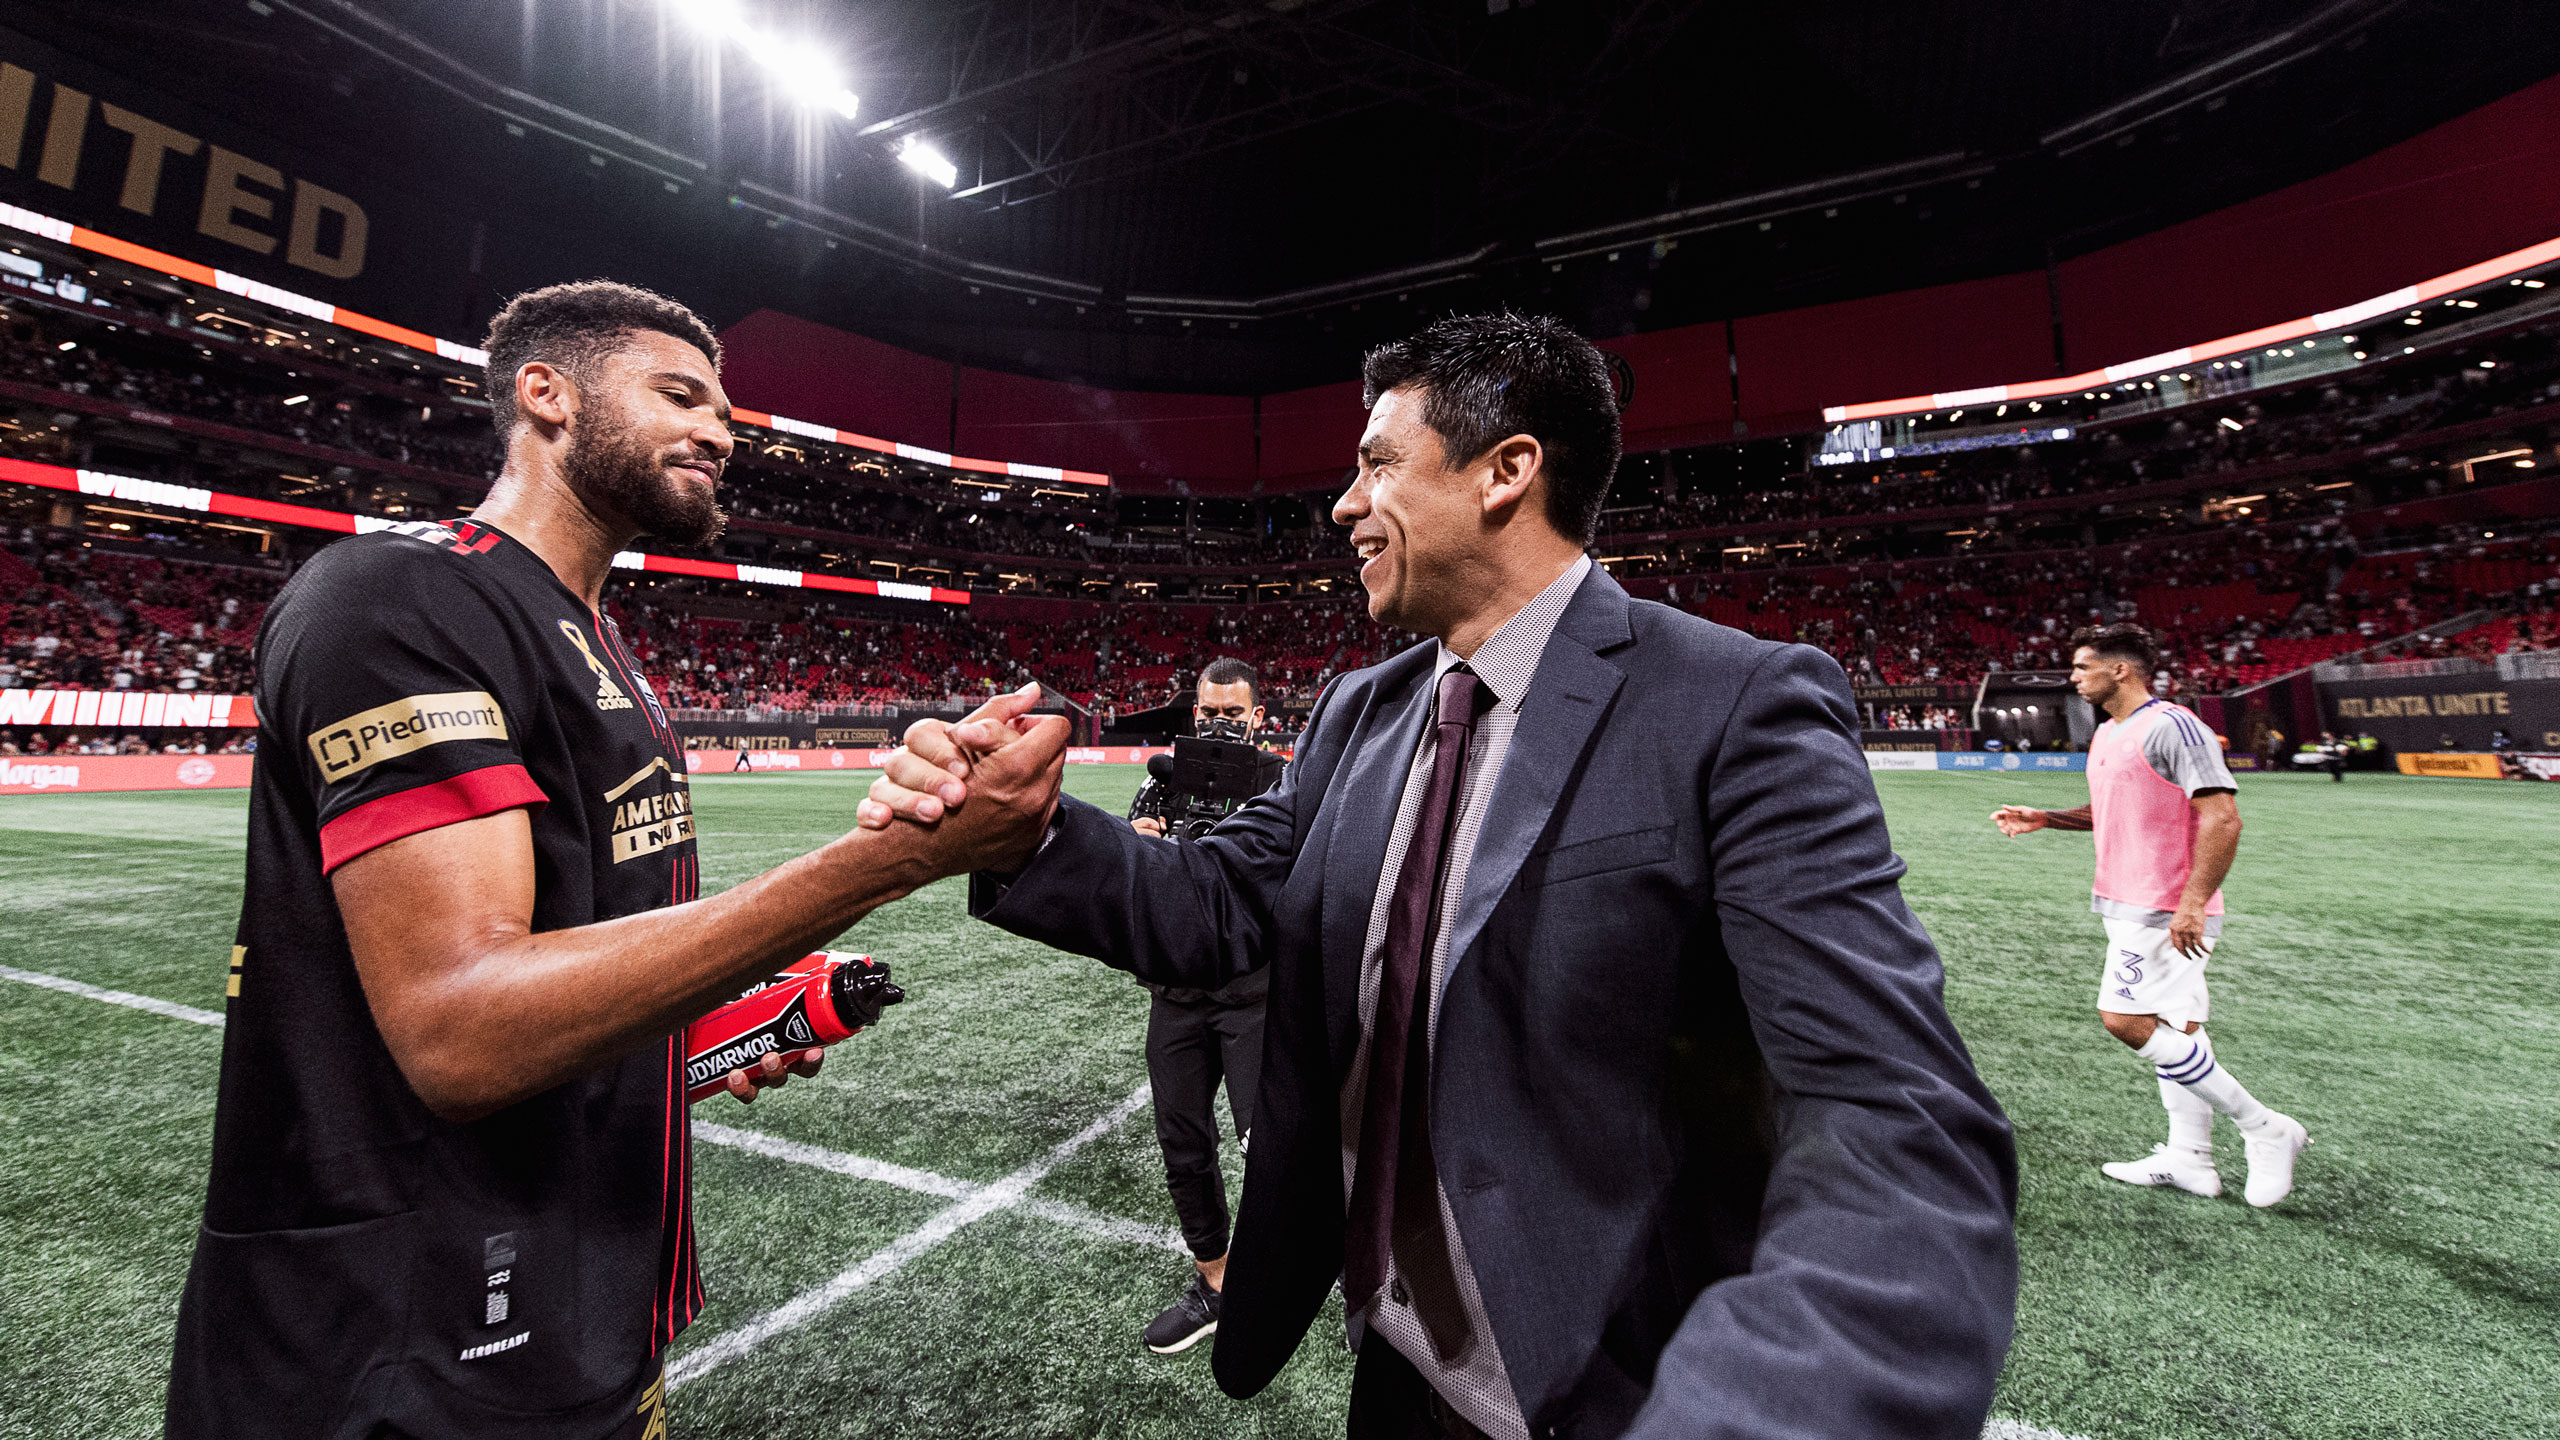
(2262, 527)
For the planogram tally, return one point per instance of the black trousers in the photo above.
(1194, 1040)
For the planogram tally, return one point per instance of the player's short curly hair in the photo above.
(1485, 378)
(572, 326)
(2124, 641)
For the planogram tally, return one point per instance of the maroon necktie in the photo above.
(1395, 1192)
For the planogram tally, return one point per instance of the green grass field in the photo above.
(2391, 974)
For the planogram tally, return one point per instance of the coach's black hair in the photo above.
(2122, 641)
(1485, 378)
(571, 326)
(1228, 670)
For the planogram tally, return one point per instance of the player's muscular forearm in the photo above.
(481, 1012)
(2076, 819)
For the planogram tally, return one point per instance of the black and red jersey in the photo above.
(361, 1260)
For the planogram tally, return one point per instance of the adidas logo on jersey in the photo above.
(609, 695)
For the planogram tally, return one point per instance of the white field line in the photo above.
(1108, 1227)
(978, 1201)
(808, 1305)
(170, 1008)
(925, 1182)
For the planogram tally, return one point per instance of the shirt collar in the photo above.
(1508, 658)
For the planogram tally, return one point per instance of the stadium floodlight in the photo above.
(803, 74)
(919, 156)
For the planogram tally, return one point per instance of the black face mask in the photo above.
(618, 474)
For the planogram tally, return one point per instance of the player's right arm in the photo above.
(403, 696)
(481, 1012)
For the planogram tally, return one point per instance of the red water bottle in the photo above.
(818, 1000)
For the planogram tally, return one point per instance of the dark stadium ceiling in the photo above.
(1199, 194)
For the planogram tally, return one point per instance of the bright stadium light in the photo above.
(804, 75)
(928, 162)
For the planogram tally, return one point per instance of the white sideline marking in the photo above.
(925, 1182)
(799, 1310)
(170, 1008)
(979, 1201)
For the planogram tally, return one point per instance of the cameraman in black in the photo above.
(1195, 1037)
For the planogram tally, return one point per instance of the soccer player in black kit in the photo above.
(449, 1192)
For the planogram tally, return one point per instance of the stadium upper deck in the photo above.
(2267, 515)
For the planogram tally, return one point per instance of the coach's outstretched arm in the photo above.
(1193, 915)
(1884, 1282)
(480, 1012)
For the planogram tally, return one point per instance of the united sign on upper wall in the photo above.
(79, 142)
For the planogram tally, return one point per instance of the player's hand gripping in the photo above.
(986, 785)
(2018, 819)
(771, 1073)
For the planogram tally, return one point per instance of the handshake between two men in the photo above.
(986, 785)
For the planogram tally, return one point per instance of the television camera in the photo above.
(1209, 774)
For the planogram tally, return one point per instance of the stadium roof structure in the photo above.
(1232, 197)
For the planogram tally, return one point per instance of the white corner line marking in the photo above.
(808, 1305)
(170, 1008)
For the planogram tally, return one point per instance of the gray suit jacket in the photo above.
(1720, 1161)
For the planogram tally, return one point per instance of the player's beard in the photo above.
(614, 471)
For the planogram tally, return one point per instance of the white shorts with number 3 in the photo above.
(2145, 975)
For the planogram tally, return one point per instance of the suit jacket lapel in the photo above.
(1365, 796)
(1571, 692)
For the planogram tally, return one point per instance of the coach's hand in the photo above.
(2018, 819)
(771, 1073)
(1148, 825)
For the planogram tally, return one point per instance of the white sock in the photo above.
(2188, 1060)
(2190, 1119)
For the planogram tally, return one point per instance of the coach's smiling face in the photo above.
(1422, 525)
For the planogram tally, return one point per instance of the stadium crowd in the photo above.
(2246, 605)
(2052, 535)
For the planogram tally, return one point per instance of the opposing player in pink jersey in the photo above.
(2167, 823)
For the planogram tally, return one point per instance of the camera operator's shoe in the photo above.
(1186, 1320)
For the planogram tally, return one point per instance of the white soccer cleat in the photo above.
(2185, 1169)
(2272, 1148)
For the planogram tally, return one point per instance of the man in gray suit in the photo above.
(1604, 1062)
